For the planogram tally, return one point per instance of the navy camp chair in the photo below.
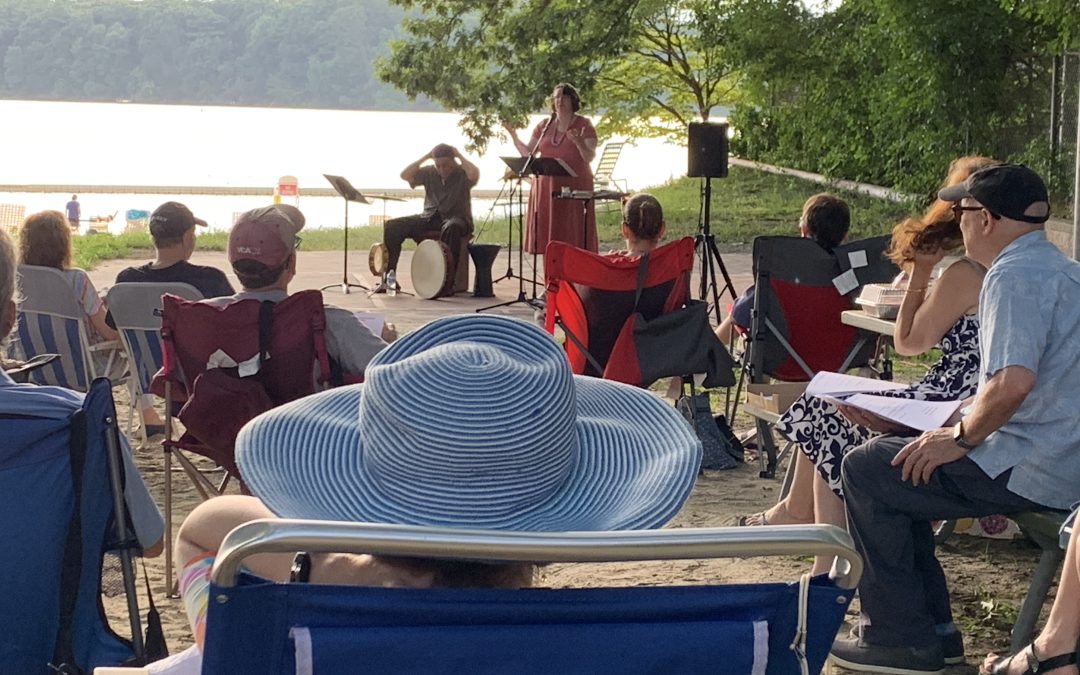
(272, 628)
(61, 474)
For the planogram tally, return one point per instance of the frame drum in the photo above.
(432, 270)
(377, 259)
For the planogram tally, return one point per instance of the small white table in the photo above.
(886, 328)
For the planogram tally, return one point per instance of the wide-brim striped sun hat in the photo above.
(474, 422)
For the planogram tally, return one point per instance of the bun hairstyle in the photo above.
(937, 228)
(567, 90)
(643, 216)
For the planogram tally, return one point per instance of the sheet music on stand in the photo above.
(344, 188)
(539, 166)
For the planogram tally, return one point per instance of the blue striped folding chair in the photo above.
(51, 321)
(254, 626)
(136, 311)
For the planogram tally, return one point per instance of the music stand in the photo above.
(530, 165)
(350, 194)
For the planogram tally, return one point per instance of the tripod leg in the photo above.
(729, 285)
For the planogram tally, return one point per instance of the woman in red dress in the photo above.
(571, 138)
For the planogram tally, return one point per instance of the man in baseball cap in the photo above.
(1012, 448)
(172, 229)
(262, 252)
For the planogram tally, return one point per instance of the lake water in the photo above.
(57, 143)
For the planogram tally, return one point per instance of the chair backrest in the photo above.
(281, 355)
(796, 329)
(274, 628)
(136, 311)
(605, 166)
(591, 296)
(51, 321)
(38, 493)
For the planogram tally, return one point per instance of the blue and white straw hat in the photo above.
(474, 422)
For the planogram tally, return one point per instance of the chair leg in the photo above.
(789, 473)
(1024, 629)
(202, 483)
(169, 587)
(766, 450)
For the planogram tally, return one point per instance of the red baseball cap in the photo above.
(266, 235)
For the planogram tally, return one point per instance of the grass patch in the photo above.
(746, 204)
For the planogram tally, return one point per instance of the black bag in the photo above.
(716, 451)
(681, 342)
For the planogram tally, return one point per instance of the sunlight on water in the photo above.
(133, 144)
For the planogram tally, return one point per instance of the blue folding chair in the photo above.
(51, 321)
(136, 311)
(260, 627)
(61, 482)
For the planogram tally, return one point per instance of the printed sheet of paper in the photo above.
(920, 415)
(846, 282)
(374, 322)
(839, 384)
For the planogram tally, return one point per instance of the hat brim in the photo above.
(953, 193)
(201, 223)
(635, 465)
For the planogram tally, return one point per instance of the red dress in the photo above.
(550, 219)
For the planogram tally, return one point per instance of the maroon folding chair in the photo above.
(222, 366)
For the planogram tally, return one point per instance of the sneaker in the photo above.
(952, 648)
(391, 283)
(858, 656)
(952, 645)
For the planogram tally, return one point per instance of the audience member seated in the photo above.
(825, 219)
(172, 229)
(945, 315)
(42, 400)
(45, 241)
(1054, 649)
(643, 225)
(447, 183)
(262, 251)
(454, 466)
(1012, 448)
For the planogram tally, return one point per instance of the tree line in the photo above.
(305, 53)
(883, 91)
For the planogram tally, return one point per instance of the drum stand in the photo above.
(350, 194)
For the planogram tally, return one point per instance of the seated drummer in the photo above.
(447, 208)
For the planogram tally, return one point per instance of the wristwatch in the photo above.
(958, 436)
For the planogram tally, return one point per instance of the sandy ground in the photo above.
(989, 578)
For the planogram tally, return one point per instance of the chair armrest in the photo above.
(107, 345)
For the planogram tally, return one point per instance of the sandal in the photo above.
(1036, 665)
(744, 521)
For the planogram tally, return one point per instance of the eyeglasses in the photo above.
(296, 242)
(958, 210)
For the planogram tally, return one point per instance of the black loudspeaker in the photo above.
(708, 150)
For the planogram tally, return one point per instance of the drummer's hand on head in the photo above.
(389, 332)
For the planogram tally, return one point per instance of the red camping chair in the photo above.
(226, 364)
(796, 329)
(592, 298)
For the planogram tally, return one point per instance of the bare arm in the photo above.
(103, 329)
(925, 318)
(522, 148)
(995, 404)
(471, 172)
(586, 144)
(409, 172)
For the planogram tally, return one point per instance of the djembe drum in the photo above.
(483, 257)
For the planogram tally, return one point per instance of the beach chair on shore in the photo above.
(769, 628)
(51, 321)
(136, 310)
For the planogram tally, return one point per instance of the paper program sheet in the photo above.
(859, 392)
